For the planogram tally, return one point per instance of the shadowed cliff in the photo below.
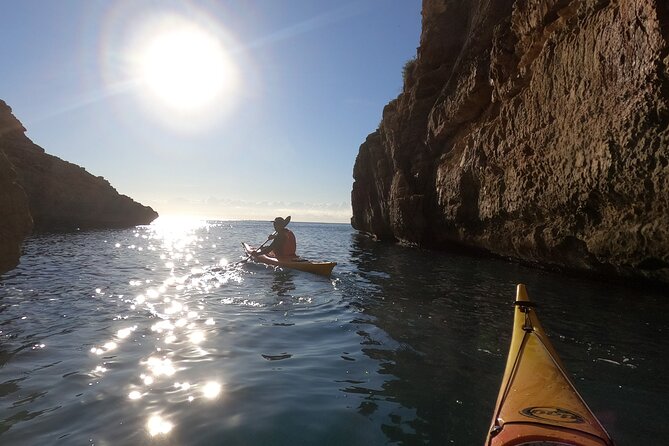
(16, 222)
(54, 195)
(535, 130)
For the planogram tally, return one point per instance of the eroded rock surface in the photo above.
(536, 130)
(52, 193)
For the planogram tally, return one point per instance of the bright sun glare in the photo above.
(185, 67)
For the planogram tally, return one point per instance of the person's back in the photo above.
(286, 244)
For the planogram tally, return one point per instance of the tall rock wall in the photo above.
(52, 193)
(16, 222)
(533, 129)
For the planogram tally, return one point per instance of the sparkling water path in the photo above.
(162, 335)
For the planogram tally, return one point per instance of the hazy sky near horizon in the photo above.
(215, 109)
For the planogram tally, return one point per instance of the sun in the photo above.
(185, 67)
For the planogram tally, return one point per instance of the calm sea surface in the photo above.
(154, 336)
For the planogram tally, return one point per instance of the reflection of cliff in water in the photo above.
(440, 317)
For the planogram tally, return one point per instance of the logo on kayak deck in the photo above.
(554, 414)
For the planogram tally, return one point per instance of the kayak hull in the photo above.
(320, 268)
(537, 402)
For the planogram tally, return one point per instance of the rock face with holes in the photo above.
(536, 130)
(55, 195)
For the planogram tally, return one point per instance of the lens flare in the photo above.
(185, 67)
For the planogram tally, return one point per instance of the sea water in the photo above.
(165, 335)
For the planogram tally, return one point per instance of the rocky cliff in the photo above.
(52, 193)
(16, 222)
(536, 130)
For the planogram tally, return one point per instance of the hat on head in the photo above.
(282, 222)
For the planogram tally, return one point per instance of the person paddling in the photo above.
(283, 240)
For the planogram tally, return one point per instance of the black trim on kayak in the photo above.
(549, 426)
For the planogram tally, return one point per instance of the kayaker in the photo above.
(283, 240)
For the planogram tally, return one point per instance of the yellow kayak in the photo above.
(537, 402)
(321, 268)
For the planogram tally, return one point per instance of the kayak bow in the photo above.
(537, 402)
(321, 268)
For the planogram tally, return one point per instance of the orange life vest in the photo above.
(289, 245)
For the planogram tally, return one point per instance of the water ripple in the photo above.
(162, 335)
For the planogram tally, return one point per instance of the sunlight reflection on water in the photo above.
(171, 301)
(157, 425)
(161, 335)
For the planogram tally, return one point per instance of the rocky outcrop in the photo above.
(16, 222)
(59, 196)
(536, 130)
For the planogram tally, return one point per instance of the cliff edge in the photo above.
(41, 190)
(533, 130)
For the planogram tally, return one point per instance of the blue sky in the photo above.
(311, 80)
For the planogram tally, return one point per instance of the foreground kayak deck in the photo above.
(537, 402)
(320, 268)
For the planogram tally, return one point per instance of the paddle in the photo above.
(248, 257)
(268, 239)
